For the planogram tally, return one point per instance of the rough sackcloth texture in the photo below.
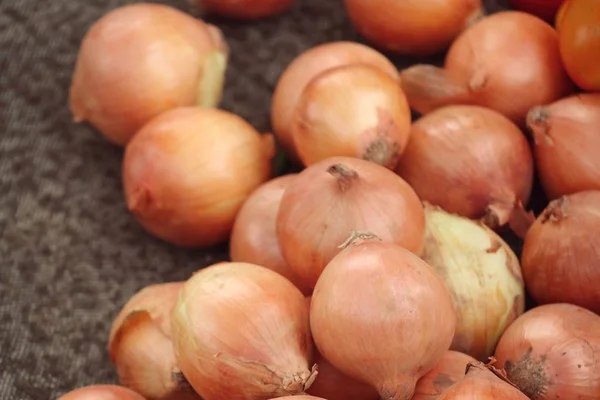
(70, 253)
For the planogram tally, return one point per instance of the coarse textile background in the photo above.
(70, 253)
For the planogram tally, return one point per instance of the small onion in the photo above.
(483, 275)
(413, 27)
(560, 259)
(446, 373)
(352, 111)
(241, 331)
(469, 160)
(245, 9)
(567, 139)
(187, 173)
(253, 238)
(381, 315)
(304, 68)
(483, 382)
(101, 392)
(551, 352)
(330, 199)
(141, 60)
(508, 61)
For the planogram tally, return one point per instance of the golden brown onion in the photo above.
(446, 373)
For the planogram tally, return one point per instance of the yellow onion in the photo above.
(483, 275)
(446, 373)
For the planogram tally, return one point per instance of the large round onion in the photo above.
(551, 352)
(561, 260)
(483, 275)
(330, 199)
(469, 160)
(141, 60)
(447, 372)
(567, 139)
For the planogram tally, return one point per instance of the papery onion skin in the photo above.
(330, 199)
(567, 136)
(187, 173)
(560, 258)
(469, 160)
(253, 237)
(304, 68)
(551, 352)
(101, 392)
(482, 383)
(174, 60)
(483, 275)
(416, 28)
(394, 307)
(352, 111)
(446, 373)
(248, 324)
(508, 61)
(245, 9)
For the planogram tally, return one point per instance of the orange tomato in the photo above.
(578, 25)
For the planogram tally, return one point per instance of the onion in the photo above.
(352, 111)
(307, 66)
(330, 199)
(381, 315)
(101, 392)
(140, 345)
(567, 136)
(483, 382)
(470, 161)
(245, 9)
(241, 331)
(560, 259)
(446, 373)
(413, 27)
(173, 60)
(508, 61)
(551, 352)
(253, 238)
(334, 385)
(545, 9)
(483, 275)
(187, 173)
(299, 398)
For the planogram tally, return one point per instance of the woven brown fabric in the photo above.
(70, 253)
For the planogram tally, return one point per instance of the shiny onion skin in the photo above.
(173, 60)
(446, 373)
(245, 9)
(416, 28)
(101, 392)
(304, 68)
(560, 257)
(334, 385)
(187, 173)
(352, 111)
(567, 138)
(330, 199)
(508, 61)
(580, 42)
(470, 161)
(545, 9)
(483, 382)
(248, 324)
(483, 275)
(381, 315)
(551, 352)
(253, 238)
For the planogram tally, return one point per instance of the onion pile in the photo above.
(446, 373)
(508, 62)
(245, 9)
(567, 136)
(560, 260)
(381, 315)
(551, 352)
(469, 160)
(483, 275)
(173, 60)
(332, 198)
